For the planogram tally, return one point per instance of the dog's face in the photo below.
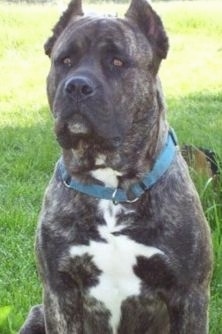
(102, 82)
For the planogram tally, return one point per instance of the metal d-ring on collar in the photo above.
(118, 195)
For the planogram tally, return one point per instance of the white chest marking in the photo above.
(115, 259)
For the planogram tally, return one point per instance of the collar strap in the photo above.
(118, 195)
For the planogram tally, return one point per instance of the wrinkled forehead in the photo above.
(95, 31)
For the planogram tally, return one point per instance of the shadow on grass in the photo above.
(27, 158)
(27, 149)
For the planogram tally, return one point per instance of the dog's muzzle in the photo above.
(83, 111)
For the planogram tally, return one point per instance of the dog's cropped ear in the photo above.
(151, 25)
(74, 9)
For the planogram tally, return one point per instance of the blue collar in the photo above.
(118, 195)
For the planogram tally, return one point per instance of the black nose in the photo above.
(79, 87)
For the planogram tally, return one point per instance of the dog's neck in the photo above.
(111, 188)
(106, 170)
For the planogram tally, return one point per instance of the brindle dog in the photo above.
(122, 244)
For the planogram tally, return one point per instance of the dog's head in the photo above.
(102, 86)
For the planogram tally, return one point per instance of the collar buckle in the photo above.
(116, 201)
(66, 181)
(132, 200)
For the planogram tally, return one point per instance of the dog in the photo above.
(122, 245)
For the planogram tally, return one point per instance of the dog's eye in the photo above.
(118, 62)
(67, 61)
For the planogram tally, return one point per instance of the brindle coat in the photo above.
(109, 112)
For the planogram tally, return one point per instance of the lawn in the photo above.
(192, 82)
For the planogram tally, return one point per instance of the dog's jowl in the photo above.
(122, 244)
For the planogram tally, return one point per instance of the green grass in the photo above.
(191, 78)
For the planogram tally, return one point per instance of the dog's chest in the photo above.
(115, 257)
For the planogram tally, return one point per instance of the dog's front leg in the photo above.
(63, 312)
(189, 313)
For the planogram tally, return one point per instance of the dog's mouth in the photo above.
(77, 133)
(85, 149)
